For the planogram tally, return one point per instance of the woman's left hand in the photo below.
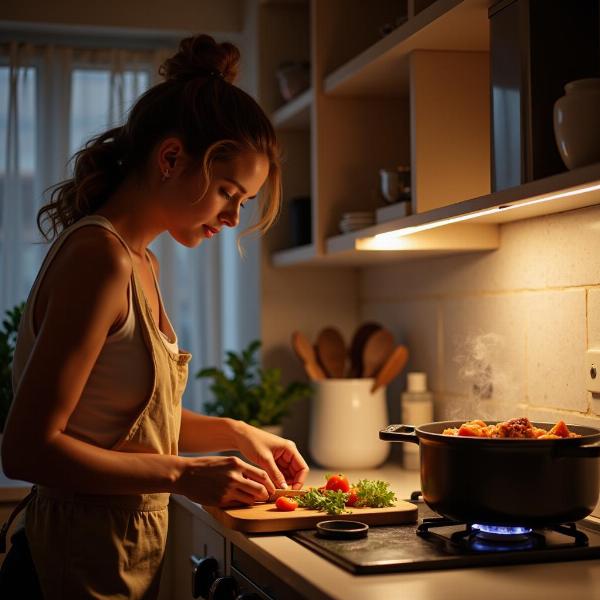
(277, 456)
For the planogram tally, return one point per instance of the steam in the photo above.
(483, 365)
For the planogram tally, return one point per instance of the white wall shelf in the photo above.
(382, 69)
(295, 114)
(294, 256)
(471, 225)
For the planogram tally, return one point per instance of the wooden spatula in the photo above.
(392, 367)
(359, 339)
(377, 348)
(331, 352)
(306, 353)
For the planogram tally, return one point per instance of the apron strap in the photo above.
(22, 504)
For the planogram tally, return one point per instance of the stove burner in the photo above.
(501, 533)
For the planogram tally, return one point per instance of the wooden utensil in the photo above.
(331, 352)
(263, 517)
(306, 353)
(359, 339)
(392, 367)
(377, 348)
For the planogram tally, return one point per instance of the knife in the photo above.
(287, 493)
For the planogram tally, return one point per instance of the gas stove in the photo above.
(438, 543)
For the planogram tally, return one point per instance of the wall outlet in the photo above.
(592, 370)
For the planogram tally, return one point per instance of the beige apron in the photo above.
(112, 546)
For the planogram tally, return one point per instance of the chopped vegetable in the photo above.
(337, 482)
(286, 504)
(365, 493)
(374, 493)
(352, 497)
(329, 501)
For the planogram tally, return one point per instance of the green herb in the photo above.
(369, 493)
(374, 494)
(333, 503)
(249, 393)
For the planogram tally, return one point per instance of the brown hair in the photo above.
(197, 103)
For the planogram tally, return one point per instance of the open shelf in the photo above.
(468, 226)
(295, 114)
(294, 256)
(382, 69)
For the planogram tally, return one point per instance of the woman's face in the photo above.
(197, 216)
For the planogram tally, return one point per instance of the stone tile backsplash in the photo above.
(500, 333)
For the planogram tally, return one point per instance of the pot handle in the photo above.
(583, 451)
(399, 433)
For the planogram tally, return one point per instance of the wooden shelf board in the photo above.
(294, 256)
(455, 238)
(295, 114)
(566, 182)
(382, 69)
(477, 233)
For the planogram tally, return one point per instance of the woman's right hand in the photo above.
(223, 481)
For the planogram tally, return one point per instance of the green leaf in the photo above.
(246, 392)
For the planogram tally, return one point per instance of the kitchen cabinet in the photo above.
(189, 537)
(418, 96)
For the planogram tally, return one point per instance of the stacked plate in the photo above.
(351, 221)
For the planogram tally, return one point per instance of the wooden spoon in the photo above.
(378, 347)
(361, 335)
(392, 367)
(331, 352)
(305, 352)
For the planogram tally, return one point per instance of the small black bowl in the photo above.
(339, 529)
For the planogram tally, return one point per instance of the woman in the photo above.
(98, 375)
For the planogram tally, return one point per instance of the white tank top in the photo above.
(122, 377)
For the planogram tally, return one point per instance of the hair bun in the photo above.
(202, 56)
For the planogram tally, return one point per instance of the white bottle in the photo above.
(417, 409)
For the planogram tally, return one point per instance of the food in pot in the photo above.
(514, 428)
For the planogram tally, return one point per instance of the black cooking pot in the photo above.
(505, 481)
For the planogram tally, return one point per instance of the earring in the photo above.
(165, 175)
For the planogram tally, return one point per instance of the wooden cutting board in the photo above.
(264, 518)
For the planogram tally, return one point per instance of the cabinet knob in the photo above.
(248, 596)
(223, 588)
(204, 572)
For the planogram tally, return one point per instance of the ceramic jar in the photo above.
(345, 421)
(577, 123)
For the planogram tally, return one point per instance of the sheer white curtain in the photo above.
(52, 100)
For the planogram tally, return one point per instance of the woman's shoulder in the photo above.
(93, 253)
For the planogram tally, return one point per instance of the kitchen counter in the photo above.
(318, 579)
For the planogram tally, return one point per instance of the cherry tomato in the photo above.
(338, 482)
(287, 504)
(352, 498)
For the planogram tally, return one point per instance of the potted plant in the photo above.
(250, 393)
(8, 339)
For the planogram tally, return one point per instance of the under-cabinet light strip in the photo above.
(397, 233)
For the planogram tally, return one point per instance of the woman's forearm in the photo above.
(69, 463)
(200, 433)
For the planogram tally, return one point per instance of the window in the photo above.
(52, 100)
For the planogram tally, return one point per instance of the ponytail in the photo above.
(98, 171)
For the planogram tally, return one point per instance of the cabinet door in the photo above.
(189, 536)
